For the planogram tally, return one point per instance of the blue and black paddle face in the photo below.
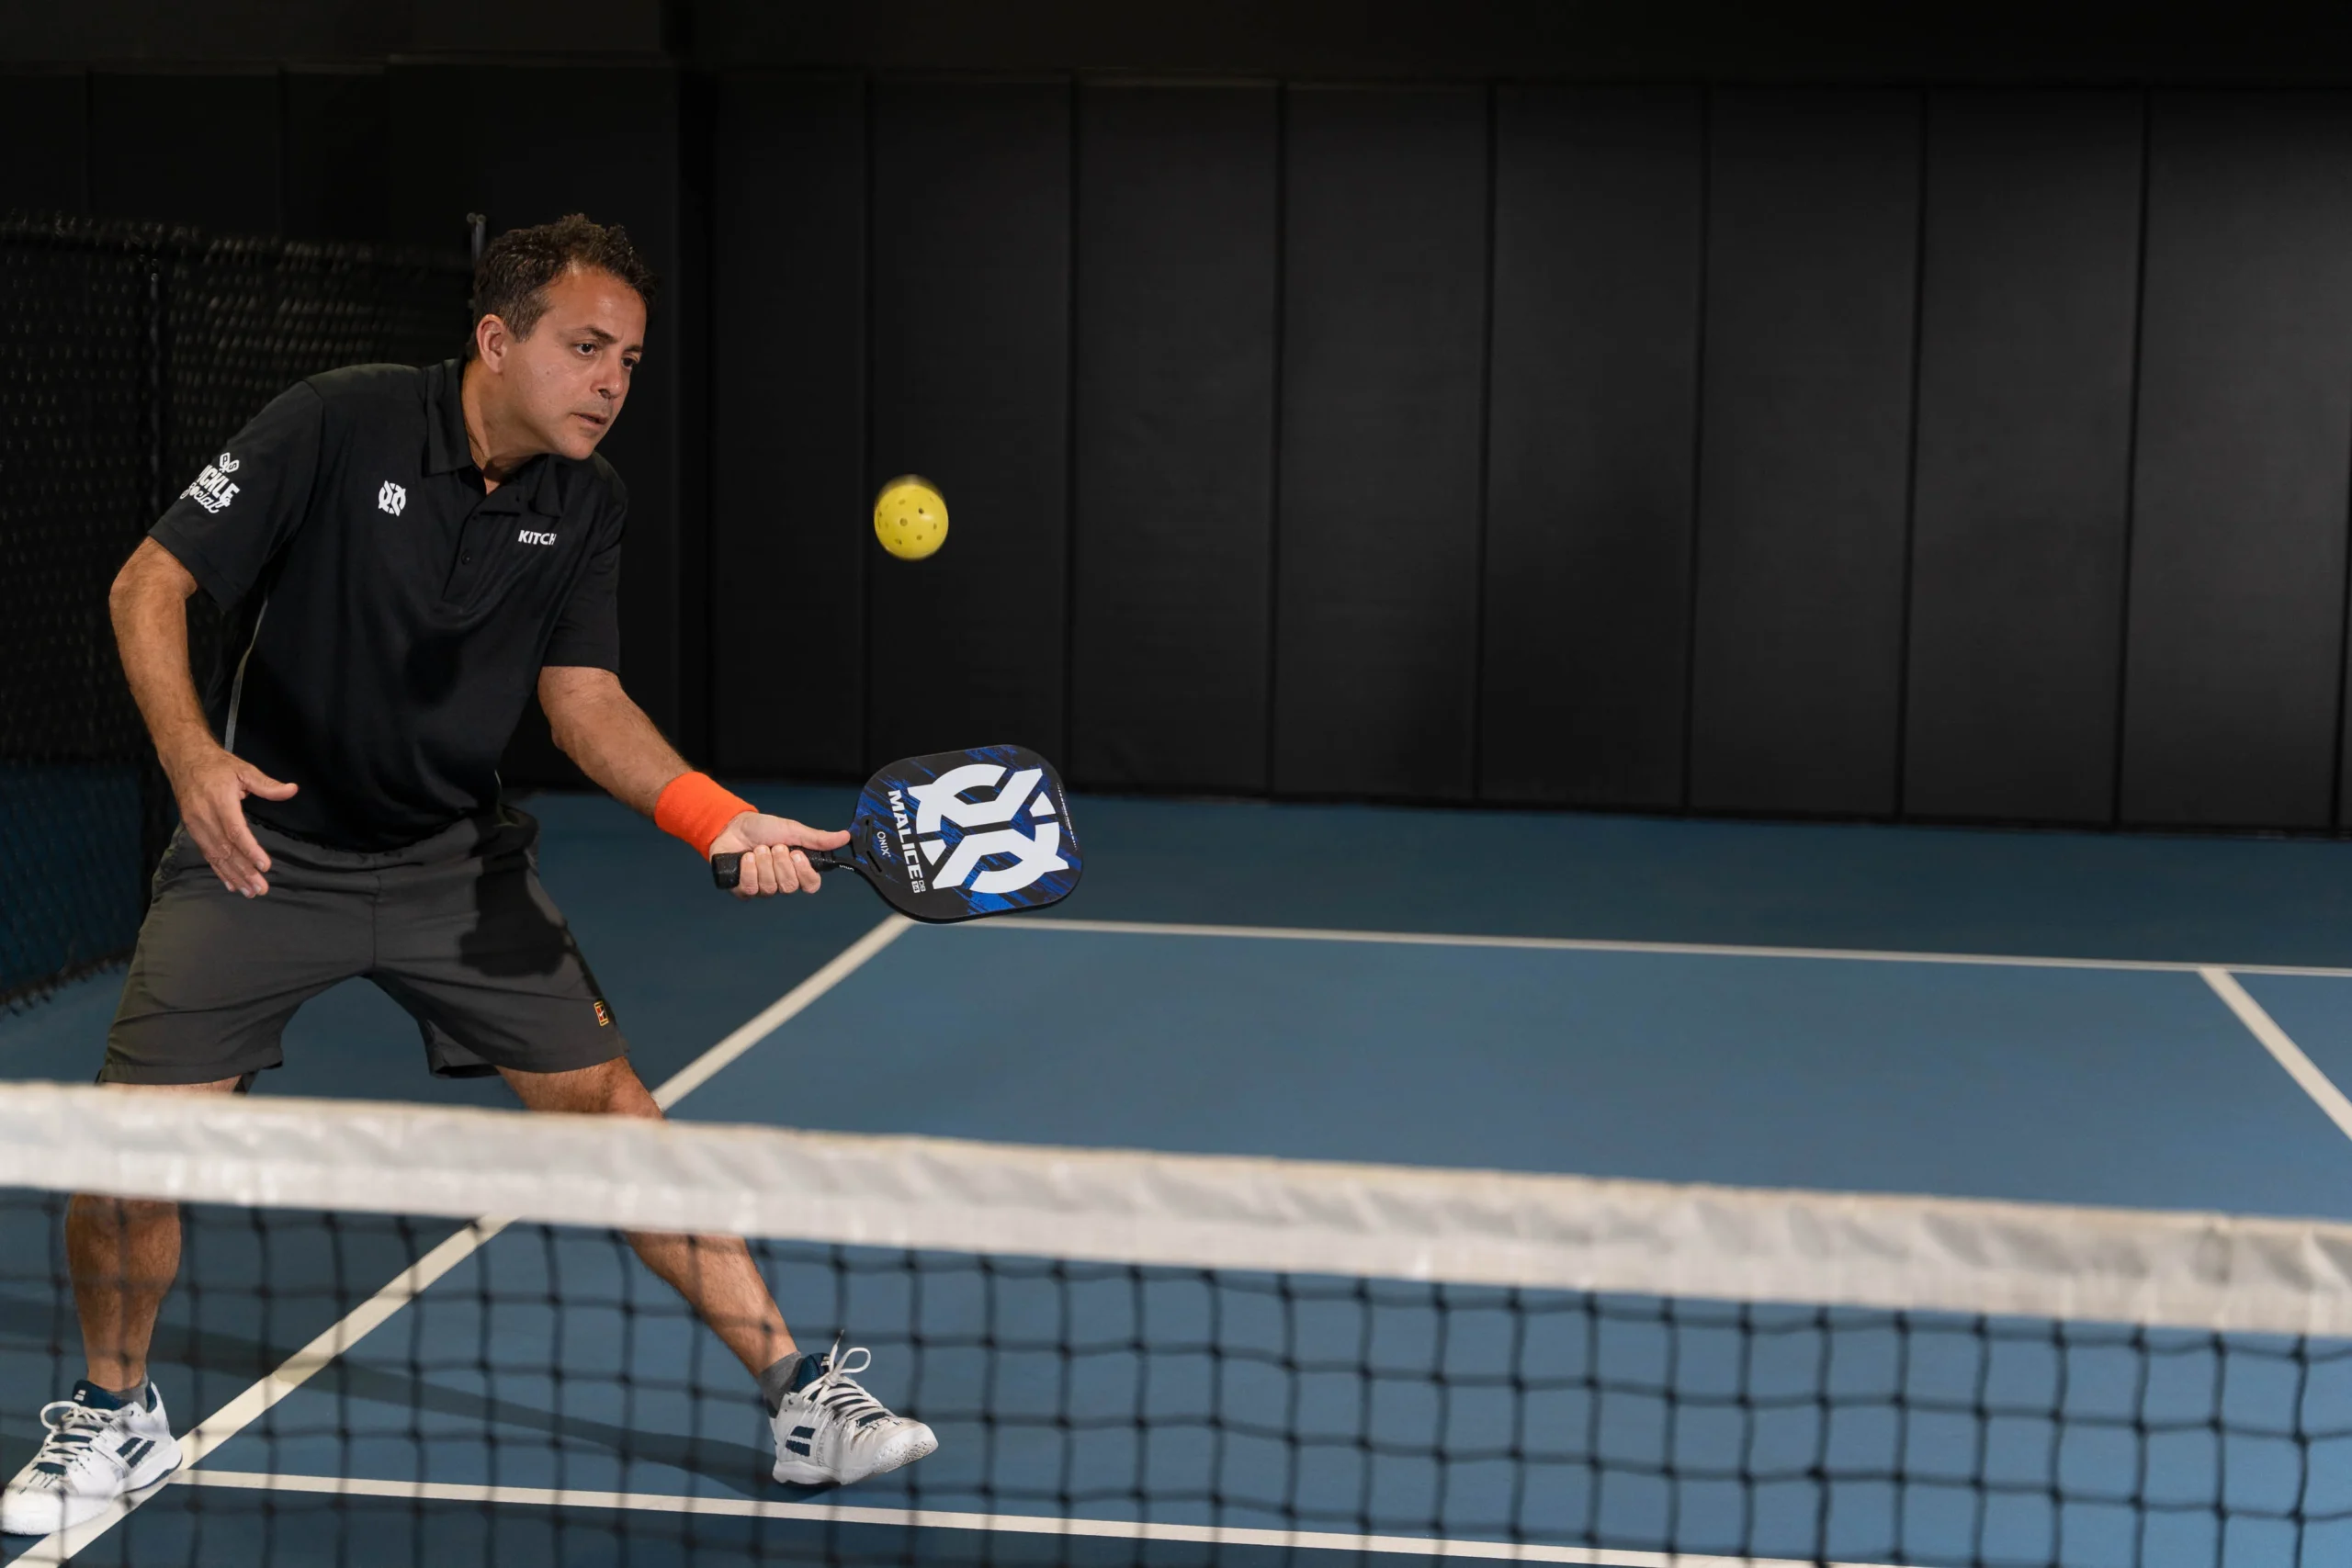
(958, 835)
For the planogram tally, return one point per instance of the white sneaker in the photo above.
(91, 1459)
(833, 1433)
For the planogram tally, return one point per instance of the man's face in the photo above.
(565, 384)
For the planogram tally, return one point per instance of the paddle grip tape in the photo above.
(726, 870)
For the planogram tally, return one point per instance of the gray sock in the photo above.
(789, 1375)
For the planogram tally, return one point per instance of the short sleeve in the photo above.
(588, 632)
(246, 504)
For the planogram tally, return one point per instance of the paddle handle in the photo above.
(726, 870)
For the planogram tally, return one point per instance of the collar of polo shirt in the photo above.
(446, 450)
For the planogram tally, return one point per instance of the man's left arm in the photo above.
(598, 727)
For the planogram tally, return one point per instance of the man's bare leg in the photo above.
(124, 1253)
(713, 1273)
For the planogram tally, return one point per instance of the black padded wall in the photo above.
(1974, 453)
(45, 125)
(969, 361)
(481, 138)
(1597, 221)
(1811, 259)
(298, 151)
(2234, 674)
(1820, 450)
(338, 149)
(1383, 411)
(199, 147)
(2026, 353)
(1178, 203)
(788, 556)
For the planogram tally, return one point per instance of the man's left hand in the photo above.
(770, 849)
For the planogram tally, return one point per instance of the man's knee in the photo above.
(102, 1205)
(89, 1210)
(609, 1088)
(217, 1086)
(94, 1212)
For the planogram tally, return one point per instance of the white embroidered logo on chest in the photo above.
(529, 538)
(391, 499)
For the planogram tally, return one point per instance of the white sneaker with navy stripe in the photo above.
(97, 1452)
(831, 1432)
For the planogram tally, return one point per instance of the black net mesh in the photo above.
(547, 1400)
(129, 353)
(1118, 1358)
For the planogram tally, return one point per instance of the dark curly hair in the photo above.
(512, 279)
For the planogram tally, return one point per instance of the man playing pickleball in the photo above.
(404, 555)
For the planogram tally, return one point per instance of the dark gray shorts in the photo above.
(455, 928)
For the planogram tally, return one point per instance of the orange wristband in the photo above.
(694, 807)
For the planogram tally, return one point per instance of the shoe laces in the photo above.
(840, 1393)
(73, 1433)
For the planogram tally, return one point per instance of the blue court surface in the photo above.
(2016, 1015)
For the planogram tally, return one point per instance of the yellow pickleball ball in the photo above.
(910, 518)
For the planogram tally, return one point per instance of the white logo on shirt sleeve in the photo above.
(212, 489)
(391, 499)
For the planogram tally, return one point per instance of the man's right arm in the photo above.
(149, 602)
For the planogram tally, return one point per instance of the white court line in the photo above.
(2289, 1056)
(703, 1068)
(1672, 948)
(1009, 1524)
(307, 1362)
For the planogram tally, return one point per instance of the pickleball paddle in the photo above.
(956, 836)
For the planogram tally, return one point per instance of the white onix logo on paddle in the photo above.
(939, 802)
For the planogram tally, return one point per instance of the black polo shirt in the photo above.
(389, 620)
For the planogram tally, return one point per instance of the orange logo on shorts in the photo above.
(604, 1015)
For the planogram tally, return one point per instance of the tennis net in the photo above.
(1133, 1357)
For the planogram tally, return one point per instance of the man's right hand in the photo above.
(211, 784)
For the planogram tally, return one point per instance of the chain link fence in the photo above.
(128, 355)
